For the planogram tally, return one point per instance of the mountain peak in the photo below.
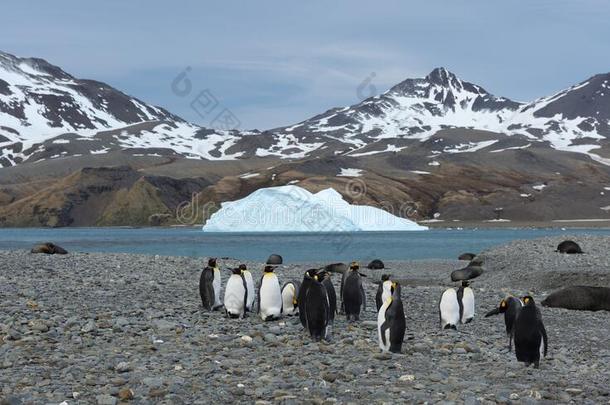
(441, 76)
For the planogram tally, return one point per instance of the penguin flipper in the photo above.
(363, 295)
(258, 296)
(243, 279)
(495, 311)
(544, 338)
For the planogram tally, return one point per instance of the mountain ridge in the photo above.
(444, 148)
(41, 106)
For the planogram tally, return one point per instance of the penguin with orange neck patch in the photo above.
(529, 333)
(391, 323)
(209, 286)
(290, 294)
(510, 307)
(269, 296)
(352, 293)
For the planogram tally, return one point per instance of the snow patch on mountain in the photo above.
(350, 172)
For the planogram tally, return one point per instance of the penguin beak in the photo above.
(495, 311)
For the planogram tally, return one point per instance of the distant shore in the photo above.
(437, 224)
(560, 223)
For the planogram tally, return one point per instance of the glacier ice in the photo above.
(293, 209)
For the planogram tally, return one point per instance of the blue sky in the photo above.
(275, 63)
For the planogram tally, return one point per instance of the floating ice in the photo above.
(294, 209)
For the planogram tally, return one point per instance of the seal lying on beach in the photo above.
(376, 265)
(473, 270)
(581, 298)
(336, 268)
(49, 249)
(569, 247)
(275, 259)
(466, 256)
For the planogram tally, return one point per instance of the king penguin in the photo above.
(209, 286)
(510, 307)
(206, 288)
(317, 309)
(391, 323)
(269, 296)
(250, 284)
(449, 309)
(308, 279)
(217, 283)
(528, 333)
(324, 277)
(236, 294)
(353, 295)
(383, 291)
(465, 297)
(290, 293)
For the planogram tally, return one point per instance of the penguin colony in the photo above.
(314, 300)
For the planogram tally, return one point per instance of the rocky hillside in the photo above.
(78, 152)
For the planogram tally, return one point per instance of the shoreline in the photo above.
(432, 224)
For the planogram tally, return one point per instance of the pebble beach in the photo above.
(87, 328)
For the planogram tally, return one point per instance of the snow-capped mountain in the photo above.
(46, 113)
(575, 119)
(415, 108)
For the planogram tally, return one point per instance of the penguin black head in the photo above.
(528, 301)
(395, 289)
(243, 267)
(502, 308)
(311, 273)
(322, 274)
(236, 270)
(268, 269)
(354, 266)
(212, 262)
(465, 283)
(385, 277)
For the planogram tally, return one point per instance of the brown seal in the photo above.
(49, 249)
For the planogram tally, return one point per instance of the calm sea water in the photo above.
(436, 243)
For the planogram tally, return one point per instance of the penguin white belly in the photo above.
(270, 297)
(251, 293)
(217, 285)
(288, 298)
(234, 296)
(380, 321)
(387, 290)
(449, 308)
(468, 303)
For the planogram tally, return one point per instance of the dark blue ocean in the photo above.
(435, 243)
